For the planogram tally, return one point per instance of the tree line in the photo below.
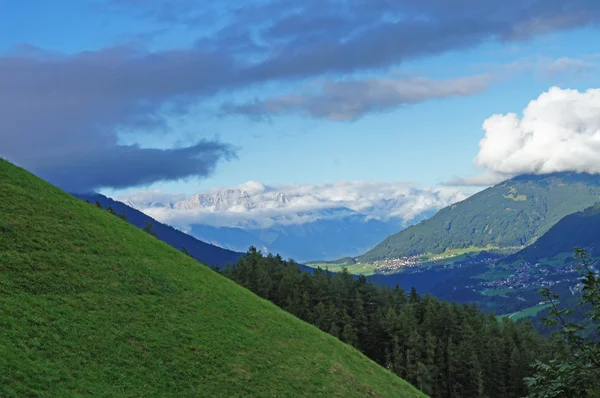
(444, 349)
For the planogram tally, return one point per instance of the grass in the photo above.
(92, 306)
(347, 263)
(497, 292)
(449, 256)
(526, 313)
(516, 198)
(357, 269)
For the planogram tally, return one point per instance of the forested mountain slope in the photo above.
(580, 229)
(445, 349)
(511, 214)
(93, 306)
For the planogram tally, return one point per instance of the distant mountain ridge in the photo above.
(299, 224)
(513, 213)
(227, 200)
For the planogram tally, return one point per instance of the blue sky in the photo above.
(259, 135)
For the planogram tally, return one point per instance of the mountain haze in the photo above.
(93, 306)
(511, 214)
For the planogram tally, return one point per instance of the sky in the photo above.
(181, 96)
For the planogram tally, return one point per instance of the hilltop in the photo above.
(93, 306)
(509, 215)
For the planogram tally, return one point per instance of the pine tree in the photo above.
(576, 374)
(149, 228)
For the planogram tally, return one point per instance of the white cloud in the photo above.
(255, 205)
(558, 131)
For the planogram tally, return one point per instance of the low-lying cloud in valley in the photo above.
(254, 205)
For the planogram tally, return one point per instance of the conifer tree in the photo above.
(149, 228)
(576, 374)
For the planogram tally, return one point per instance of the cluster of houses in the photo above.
(420, 264)
(529, 275)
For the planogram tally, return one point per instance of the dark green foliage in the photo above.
(123, 216)
(446, 350)
(110, 210)
(149, 228)
(185, 251)
(574, 372)
(91, 306)
(98, 205)
(510, 214)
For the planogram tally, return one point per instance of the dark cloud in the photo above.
(60, 115)
(314, 37)
(352, 99)
(122, 166)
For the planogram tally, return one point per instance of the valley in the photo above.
(305, 223)
(475, 255)
(273, 199)
(479, 278)
(370, 310)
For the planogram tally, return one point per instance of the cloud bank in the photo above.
(558, 131)
(255, 205)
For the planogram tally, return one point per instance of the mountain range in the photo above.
(510, 215)
(304, 223)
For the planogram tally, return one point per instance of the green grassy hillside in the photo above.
(510, 214)
(92, 306)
